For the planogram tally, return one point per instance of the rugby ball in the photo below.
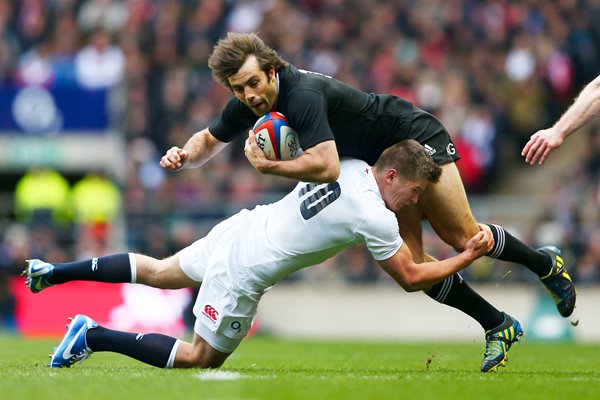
(276, 138)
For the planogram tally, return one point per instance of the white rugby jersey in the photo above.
(313, 223)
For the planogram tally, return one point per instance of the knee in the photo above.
(462, 237)
(458, 238)
(458, 243)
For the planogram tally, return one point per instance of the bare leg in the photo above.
(446, 207)
(456, 227)
(163, 274)
(411, 229)
(199, 354)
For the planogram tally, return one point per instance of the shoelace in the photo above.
(492, 348)
(494, 341)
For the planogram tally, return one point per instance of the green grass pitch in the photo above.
(267, 368)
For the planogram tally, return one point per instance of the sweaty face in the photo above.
(254, 87)
(399, 192)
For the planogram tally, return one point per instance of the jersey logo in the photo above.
(325, 194)
(451, 149)
(210, 312)
(430, 150)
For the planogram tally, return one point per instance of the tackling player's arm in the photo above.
(197, 150)
(319, 163)
(413, 277)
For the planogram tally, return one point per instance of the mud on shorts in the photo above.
(429, 131)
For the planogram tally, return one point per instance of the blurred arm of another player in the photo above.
(197, 150)
(584, 109)
(320, 163)
(413, 277)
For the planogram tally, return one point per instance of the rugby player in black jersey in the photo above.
(335, 120)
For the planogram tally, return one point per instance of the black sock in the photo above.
(152, 348)
(114, 268)
(509, 248)
(455, 292)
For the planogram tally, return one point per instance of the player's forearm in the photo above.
(201, 147)
(583, 110)
(318, 164)
(424, 276)
(302, 169)
(413, 277)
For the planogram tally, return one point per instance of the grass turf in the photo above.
(266, 368)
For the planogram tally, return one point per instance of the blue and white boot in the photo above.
(38, 272)
(73, 348)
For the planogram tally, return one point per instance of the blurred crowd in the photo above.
(494, 72)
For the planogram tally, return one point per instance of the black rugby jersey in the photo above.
(321, 108)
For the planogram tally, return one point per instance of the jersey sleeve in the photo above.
(308, 116)
(235, 120)
(381, 233)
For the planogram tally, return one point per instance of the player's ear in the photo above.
(391, 174)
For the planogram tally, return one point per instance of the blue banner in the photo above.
(39, 110)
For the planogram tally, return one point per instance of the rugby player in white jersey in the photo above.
(335, 120)
(246, 254)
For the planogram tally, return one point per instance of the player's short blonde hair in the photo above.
(411, 160)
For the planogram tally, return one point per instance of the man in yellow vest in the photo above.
(96, 201)
(42, 197)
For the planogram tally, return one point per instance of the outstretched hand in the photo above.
(174, 159)
(540, 145)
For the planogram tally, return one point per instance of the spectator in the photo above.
(96, 203)
(13, 248)
(99, 64)
(493, 72)
(35, 67)
(42, 198)
(106, 14)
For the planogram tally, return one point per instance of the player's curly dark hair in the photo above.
(230, 53)
(411, 160)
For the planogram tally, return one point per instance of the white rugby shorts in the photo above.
(225, 306)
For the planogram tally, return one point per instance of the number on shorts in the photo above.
(318, 200)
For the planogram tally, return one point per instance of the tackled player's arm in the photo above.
(413, 277)
(196, 151)
(201, 147)
(319, 163)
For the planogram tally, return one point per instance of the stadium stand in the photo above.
(115, 83)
